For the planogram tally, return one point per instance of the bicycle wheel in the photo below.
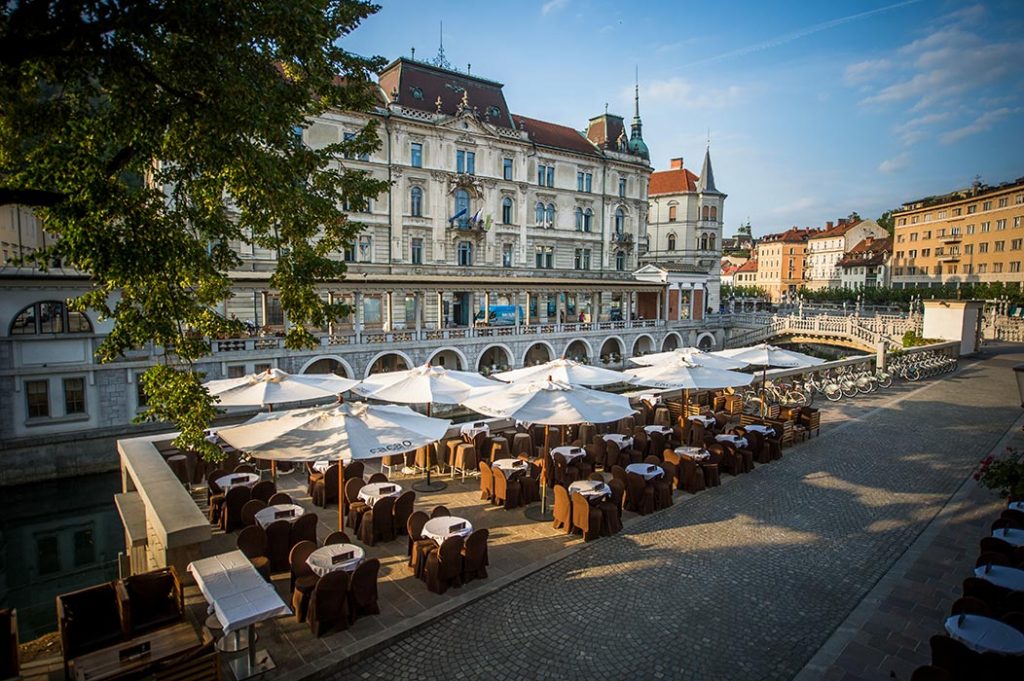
(885, 381)
(849, 388)
(833, 393)
(796, 398)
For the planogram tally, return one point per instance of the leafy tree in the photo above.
(153, 138)
(887, 222)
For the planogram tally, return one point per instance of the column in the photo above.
(679, 303)
(440, 309)
(487, 306)
(542, 307)
(418, 311)
(387, 312)
(471, 303)
(595, 307)
(515, 308)
(360, 317)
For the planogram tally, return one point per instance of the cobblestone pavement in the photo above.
(741, 582)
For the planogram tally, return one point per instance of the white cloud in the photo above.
(678, 91)
(916, 129)
(894, 164)
(864, 71)
(553, 6)
(982, 123)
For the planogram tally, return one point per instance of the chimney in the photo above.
(676, 163)
(870, 240)
(842, 221)
(828, 225)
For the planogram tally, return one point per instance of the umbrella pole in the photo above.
(428, 486)
(532, 513)
(273, 462)
(341, 492)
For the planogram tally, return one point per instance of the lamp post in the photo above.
(1018, 372)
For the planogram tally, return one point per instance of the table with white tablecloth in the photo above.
(321, 465)
(648, 471)
(375, 491)
(736, 440)
(289, 512)
(664, 430)
(1010, 535)
(590, 489)
(239, 597)
(707, 421)
(333, 557)
(695, 453)
(511, 466)
(473, 429)
(237, 480)
(568, 452)
(760, 428)
(1016, 506)
(623, 441)
(1001, 575)
(650, 398)
(984, 634)
(443, 527)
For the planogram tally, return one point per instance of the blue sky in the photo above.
(815, 109)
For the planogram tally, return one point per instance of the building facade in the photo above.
(746, 274)
(828, 247)
(684, 234)
(780, 262)
(974, 235)
(866, 265)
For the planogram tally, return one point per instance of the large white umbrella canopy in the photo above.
(766, 355)
(686, 376)
(422, 385)
(564, 371)
(692, 355)
(347, 431)
(274, 386)
(549, 402)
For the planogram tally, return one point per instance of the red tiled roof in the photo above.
(674, 181)
(837, 230)
(728, 268)
(748, 266)
(867, 252)
(791, 235)
(553, 135)
(406, 78)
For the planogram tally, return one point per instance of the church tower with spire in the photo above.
(636, 139)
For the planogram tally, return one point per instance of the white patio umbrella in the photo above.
(565, 371)
(682, 375)
(765, 355)
(423, 385)
(274, 386)
(345, 431)
(695, 355)
(550, 403)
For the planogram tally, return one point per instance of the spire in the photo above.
(706, 183)
(636, 138)
(440, 60)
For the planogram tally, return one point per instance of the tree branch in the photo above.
(30, 197)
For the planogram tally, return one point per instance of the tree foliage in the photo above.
(153, 138)
(743, 292)
(883, 296)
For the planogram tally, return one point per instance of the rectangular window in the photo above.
(1004, 202)
(941, 232)
(1000, 225)
(951, 269)
(579, 181)
(985, 227)
(1016, 221)
(545, 257)
(927, 234)
(37, 395)
(551, 176)
(581, 260)
(541, 175)
(968, 249)
(997, 268)
(622, 187)
(506, 169)
(983, 247)
(986, 205)
(460, 161)
(899, 238)
(141, 398)
(350, 253)
(362, 157)
(1000, 246)
(972, 209)
(912, 253)
(506, 255)
(365, 249)
(1019, 199)
(957, 211)
(913, 236)
(273, 314)
(940, 251)
(925, 252)
(74, 395)
(1015, 245)
(85, 548)
(465, 253)
(982, 268)
(236, 370)
(416, 155)
(1015, 266)
(968, 268)
(416, 256)
(969, 229)
(47, 554)
(262, 367)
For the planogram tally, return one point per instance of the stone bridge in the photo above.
(858, 333)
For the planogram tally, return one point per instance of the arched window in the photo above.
(579, 219)
(588, 220)
(416, 202)
(539, 210)
(620, 261)
(620, 221)
(49, 316)
(550, 217)
(506, 211)
(462, 208)
(672, 213)
(711, 242)
(703, 242)
(671, 242)
(704, 213)
(714, 212)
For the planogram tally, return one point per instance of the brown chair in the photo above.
(929, 673)
(9, 659)
(562, 510)
(692, 475)
(303, 529)
(362, 592)
(474, 556)
(1013, 514)
(756, 442)
(996, 597)
(1008, 523)
(506, 491)
(249, 511)
(354, 469)
(529, 485)
(466, 457)
(664, 486)
(279, 544)
(498, 448)
(328, 604)
(611, 455)
(353, 508)
(279, 498)
(486, 482)
(639, 495)
(444, 566)
(263, 490)
(969, 605)
(439, 512)
(337, 537)
(565, 472)
(231, 514)
(252, 541)
(960, 661)
(670, 456)
(414, 530)
(1015, 620)
(522, 445)
(312, 477)
(997, 545)
(402, 510)
(325, 491)
(150, 600)
(618, 497)
(244, 468)
(377, 478)
(611, 513)
(303, 579)
(585, 518)
(212, 488)
(88, 619)
(994, 558)
(378, 523)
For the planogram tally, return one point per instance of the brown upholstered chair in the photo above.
(996, 597)
(263, 490)
(562, 510)
(362, 592)
(337, 537)
(930, 673)
(444, 566)
(565, 472)
(279, 544)
(670, 456)
(303, 529)
(587, 433)
(377, 477)
(312, 477)
(522, 445)
(586, 518)
(466, 456)
(244, 468)
(212, 488)
(279, 498)
(1013, 514)
(758, 446)
(960, 661)
(402, 510)
(440, 512)
(997, 545)
(474, 556)
(414, 530)
(506, 491)
(618, 497)
(611, 514)
(378, 523)
(712, 478)
(354, 469)
(303, 579)
(249, 511)
(486, 482)
(252, 541)
(639, 495)
(88, 619)
(325, 491)
(993, 558)
(1001, 523)
(611, 454)
(328, 604)
(353, 508)
(730, 461)
(150, 600)
(9, 660)
(231, 513)
(664, 486)
(692, 475)
(695, 437)
(529, 485)
(970, 605)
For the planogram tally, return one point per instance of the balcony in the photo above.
(951, 257)
(950, 239)
(622, 238)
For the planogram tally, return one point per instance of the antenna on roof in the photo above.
(413, 50)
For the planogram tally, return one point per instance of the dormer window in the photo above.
(493, 111)
(416, 93)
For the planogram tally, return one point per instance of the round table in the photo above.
(267, 515)
(695, 453)
(758, 428)
(568, 452)
(374, 492)
(511, 466)
(441, 528)
(664, 430)
(228, 481)
(1016, 505)
(650, 398)
(1010, 535)
(623, 441)
(648, 471)
(1001, 575)
(740, 442)
(322, 560)
(984, 634)
(321, 465)
(590, 489)
(472, 429)
(706, 420)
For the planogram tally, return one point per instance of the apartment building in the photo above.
(780, 261)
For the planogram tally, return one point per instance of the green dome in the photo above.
(639, 147)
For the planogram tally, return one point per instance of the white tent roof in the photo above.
(565, 371)
(422, 385)
(690, 355)
(274, 386)
(549, 403)
(764, 354)
(683, 376)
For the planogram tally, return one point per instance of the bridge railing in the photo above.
(869, 331)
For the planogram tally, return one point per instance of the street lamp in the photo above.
(1018, 372)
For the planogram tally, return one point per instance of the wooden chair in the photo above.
(353, 508)
(402, 510)
(440, 512)
(486, 482)
(474, 556)
(249, 511)
(414, 530)
(279, 498)
(376, 478)
(303, 529)
(325, 491)
(337, 537)
(231, 514)
(263, 490)
(506, 491)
